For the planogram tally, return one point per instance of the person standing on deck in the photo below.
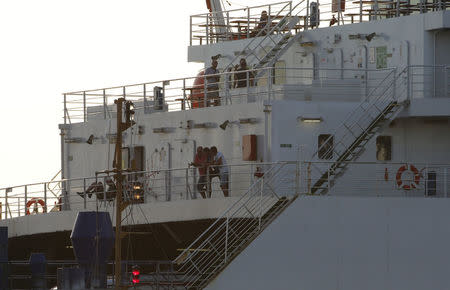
(200, 161)
(212, 84)
(221, 163)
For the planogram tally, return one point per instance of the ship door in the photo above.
(160, 177)
(185, 153)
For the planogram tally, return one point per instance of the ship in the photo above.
(332, 123)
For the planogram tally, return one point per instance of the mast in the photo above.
(119, 178)
(120, 204)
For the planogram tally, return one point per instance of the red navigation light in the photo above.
(136, 272)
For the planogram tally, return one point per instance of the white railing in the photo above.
(238, 225)
(360, 178)
(139, 187)
(245, 22)
(274, 83)
(191, 93)
(387, 179)
(282, 182)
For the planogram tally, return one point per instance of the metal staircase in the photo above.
(371, 116)
(278, 37)
(230, 234)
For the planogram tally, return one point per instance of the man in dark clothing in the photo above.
(242, 75)
(212, 84)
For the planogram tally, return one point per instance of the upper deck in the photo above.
(245, 23)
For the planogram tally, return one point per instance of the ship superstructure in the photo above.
(334, 135)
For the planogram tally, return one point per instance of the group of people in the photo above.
(210, 164)
(241, 78)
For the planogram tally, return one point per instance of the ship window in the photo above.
(125, 158)
(384, 148)
(325, 144)
(279, 71)
(137, 163)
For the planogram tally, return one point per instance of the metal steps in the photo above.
(271, 39)
(246, 236)
(369, 118)
(238, 227)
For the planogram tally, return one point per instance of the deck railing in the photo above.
(360, 179)
(193, 93)
(246, 22)
(275, 83)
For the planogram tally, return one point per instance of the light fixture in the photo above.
(205, 125)
(248, 120)
(310, 119)
(162, 130)
(90, 139)
(224, 125)
(370, 36)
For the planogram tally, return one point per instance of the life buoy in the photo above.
(410, 184)
(36, 201)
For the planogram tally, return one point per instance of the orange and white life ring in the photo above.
(409, 184)
(36, 201)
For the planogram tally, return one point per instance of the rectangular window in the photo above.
(325, 144)
(384, 148)
(279, 73)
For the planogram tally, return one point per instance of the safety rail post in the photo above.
(307, 16)
(297, 176)
(408, 83)
(6, 203)
(328, 179)
(247, 82)
(309, 177)
(208, 184)
(104, 189)
(260, 201)
(445, 182)
(226, 238)
(269, 21)
(190, 30)
(446, 69)
(269, 84)
(187, 183)
(227, 37)
(105, 103)
(227, 87)
(183, 103)
(205, 92)
(26, 199)
(84, 192)
(395, 85)
(65, 109)
(360, 10)
(248, 23)
(45, 198)
(207, 29)
(84, 107)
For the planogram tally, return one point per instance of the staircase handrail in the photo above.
(350, 115)
(198, 262)
(255, 38)
(228, 210)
